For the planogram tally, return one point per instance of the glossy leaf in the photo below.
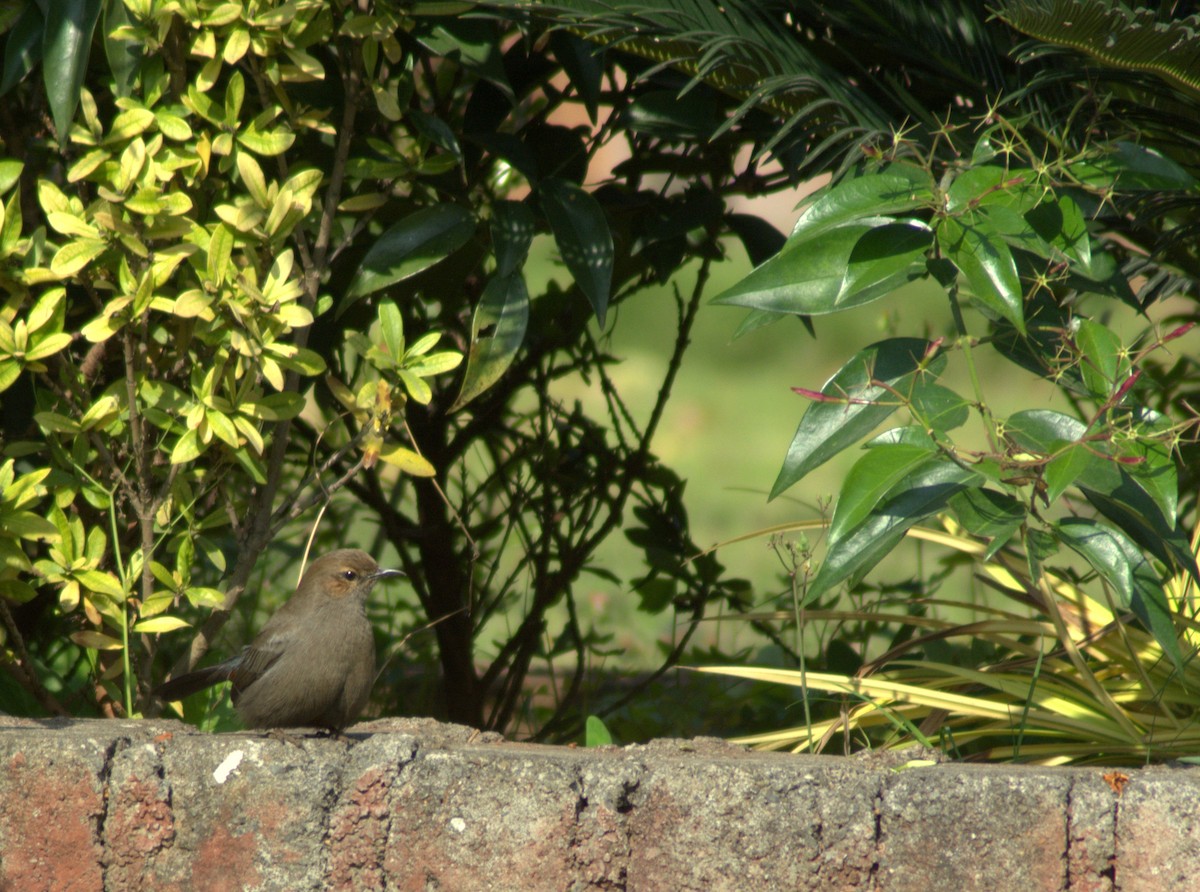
(856, 402)
(988, 266)
(1104, 362)
(884, 258)
(583, 238)
(990, 515)
(1132, 167)
(874, 195)
(512, 228)
(66, 44)
(1123, 566)
(22, 46)
(414, 244)
(1064, 469)
(497, 332)
(834, 270)
(939, 408)
(915, 498)
(870, 480)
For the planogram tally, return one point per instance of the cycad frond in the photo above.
(1114, 35)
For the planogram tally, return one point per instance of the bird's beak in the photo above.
(381, 573)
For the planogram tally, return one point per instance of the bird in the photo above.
(313, 663)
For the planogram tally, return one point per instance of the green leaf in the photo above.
(159, 624)
(1065, 469)
(414, 244)
(407, 461)
(835, 270)
(124, 56)
(1121, 563)
(988, 266)
(95, 641)
(856, 402)
(497, 332)
(23, 46)
(884, 258)
(27, 525)
(868, 196)
(101, 583)
(916, 497)
(391, 326)
(938, 408)
(10, 174)
(187, 448)
(1131, 167)
(989, 514)
(65, 46)
(581, 233)
(1105, 363)
(596, 733)
(198, 596)
(74, 256)
(872, 478)
(512, 229)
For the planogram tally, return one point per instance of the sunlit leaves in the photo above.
(864, 392)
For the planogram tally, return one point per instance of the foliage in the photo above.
(1035, 215)
(231, 266)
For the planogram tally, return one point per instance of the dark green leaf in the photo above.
(870, 480)
(875, 195)
(761, 240)
(857, 402)
(665, 114)
(497, 332)
(512, 228)
(415, 243)
(915, 498)
(65, 46)
(23, 47)
(1121, 563)
(938, 408)
(988, 266)
(989, 514)
(581, 233)
(581, 61)
(1104, 363)
(1064, 469)
(475, 44)
(124, 56)
(884, 258)
(1131, 167)
(835, 270)
(437, 132)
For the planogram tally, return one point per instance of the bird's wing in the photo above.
(257, 658)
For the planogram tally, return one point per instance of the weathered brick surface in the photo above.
(414, 805)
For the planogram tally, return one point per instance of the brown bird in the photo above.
(313, 663)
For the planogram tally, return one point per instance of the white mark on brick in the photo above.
(228, 767)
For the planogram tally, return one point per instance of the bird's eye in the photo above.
(349, 575)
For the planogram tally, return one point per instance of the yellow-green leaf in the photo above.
(159, 624)
(407, 461)
(187, 448)
(95, 641)
(74, 256)
(101, 583)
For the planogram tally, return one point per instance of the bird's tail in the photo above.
(190, 682)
